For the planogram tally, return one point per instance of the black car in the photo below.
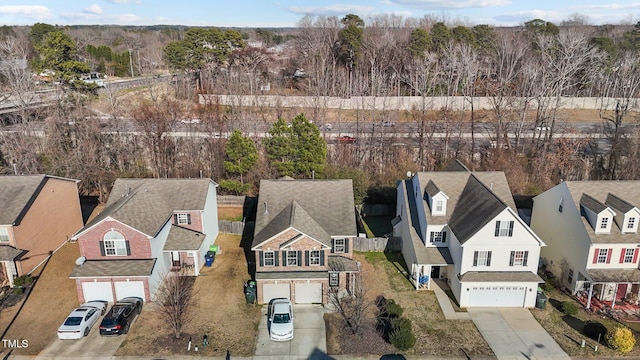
(119, 318)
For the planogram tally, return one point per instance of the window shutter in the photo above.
(284, 258)
(346, 245)
(126, 244)
(513, 255)
(275, 258)
(444, 236)
(299, 261)
(595, 255)
(321, 257)
(306, 258)
(175, 219)
(622, 255)
(526, 256)
(635, 255)
(102, 248)
(261, 256)
(489, 259)
(510, 228)
(609, 256)
(333, 243)
(475, 258)
(188, 218)
(497, 228)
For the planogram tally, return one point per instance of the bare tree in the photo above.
(175, 300)
(15, 74)
(353, 307)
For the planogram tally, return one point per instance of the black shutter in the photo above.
(175, 219)
(102, 248)
(126, 244)
(188, 218)
(306, 258)
(275, 258)
(497, 228)
(333, 244)
(444, 236)
(321, 257)
(346, 245)
(475, 258)
(284, 258)
(261, 256)
(513, 255)
(489, 258)
(299, 256)
(510, 228)
(526, 255)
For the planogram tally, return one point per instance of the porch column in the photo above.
(416, 276)
(196, 267)
(615, 295)
(590, 295)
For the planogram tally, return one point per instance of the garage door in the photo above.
(308, 293)
(504, 296)
(129, 288)
(272, 291)
(97, 291)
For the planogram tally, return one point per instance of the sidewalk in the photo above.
(445, 303)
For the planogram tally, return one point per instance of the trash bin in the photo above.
(214, 248)
(541, 300)
(250, 292)
(209, 257)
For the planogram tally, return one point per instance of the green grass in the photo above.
(378, 225)
(395, 267)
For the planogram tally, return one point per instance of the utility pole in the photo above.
(131, 62)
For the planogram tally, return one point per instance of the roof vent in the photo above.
(81, 260)
(266, 210)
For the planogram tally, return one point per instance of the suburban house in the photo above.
(462, 227)
(303, 239)
(148, 228)
(39, 214)
(591, 232)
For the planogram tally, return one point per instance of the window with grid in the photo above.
(334, 279)
(482, 258)
(602, 256)
(439, 204)
(314, 257)
(438, 237)
(631, 223)
(292, 258)
(504, 228)
(4, 234)
(268, 258)
(628, 255)
(183, 218)
(114, 244)
(338, 245)
(604, 222)
(518, 258)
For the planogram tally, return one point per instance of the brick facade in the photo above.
(195, 218)
(89, 242)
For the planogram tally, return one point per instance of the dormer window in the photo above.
(439, 206)
(604, 222)
(631, 223)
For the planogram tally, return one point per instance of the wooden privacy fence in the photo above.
(231, 227)
(378, 244)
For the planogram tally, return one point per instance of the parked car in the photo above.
(328, 127)
(80, 321)
(388, 123)
(281, 319)
(119, 318)
(346, 139)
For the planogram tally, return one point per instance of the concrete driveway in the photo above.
(513, 333)
(309, 337)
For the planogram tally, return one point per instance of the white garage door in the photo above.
(129, 288)
(308, 293)
(503, 296)
(97, 291)
(272, 291)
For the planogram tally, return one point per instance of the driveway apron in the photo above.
(309, 337)
(513, 333)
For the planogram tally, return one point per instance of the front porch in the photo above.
(608, 297)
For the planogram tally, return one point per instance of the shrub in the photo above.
(593, 329)
(394, 310)
(569, 308)
(547, 286)
(620, 339)
(23, 280)
(402, 337)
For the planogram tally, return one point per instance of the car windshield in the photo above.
(281, 318)
(72, 321)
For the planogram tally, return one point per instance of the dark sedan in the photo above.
(119, 318)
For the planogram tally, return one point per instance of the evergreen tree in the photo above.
(241, 153)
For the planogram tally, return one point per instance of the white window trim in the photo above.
(436, 236)
(292, 258)
(183, 218)
(118, 245)
(629, 254)
(334, 279)
(4, 235)
(603, 254)
(518, 261)
(314, 258)
(503, 230)
(272, 259)
(483, 258)
(631, 223)
(339, 246)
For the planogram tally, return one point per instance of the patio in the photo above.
(621, 310)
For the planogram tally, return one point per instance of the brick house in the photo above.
(302, 239)
(39, 214)
(147, 228)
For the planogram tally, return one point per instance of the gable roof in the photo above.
(17, 194)
(457, 165)
(181, 238)
(147, 204)
(592, 204)
(618, 203)
(324, 208)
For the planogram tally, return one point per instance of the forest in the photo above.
(527, 73)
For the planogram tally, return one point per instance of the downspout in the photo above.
(590, 295)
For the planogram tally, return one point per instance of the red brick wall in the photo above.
(196, 220)
(302, 244)
(90, 242)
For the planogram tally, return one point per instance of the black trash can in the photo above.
(209, 258)
(541, 300)
(250, 292)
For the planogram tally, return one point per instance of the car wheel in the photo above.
(86, 331)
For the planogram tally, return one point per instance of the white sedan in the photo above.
(281, 319)
(81, 320)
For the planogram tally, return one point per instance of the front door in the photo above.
(435, 272)
(621, 292)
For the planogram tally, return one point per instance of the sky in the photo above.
(287, 13)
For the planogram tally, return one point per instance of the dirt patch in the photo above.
(230, 213)
(435, 336)
(220, 312)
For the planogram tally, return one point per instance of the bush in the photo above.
(547, 286)
(593, 329)
(402, 337)
(620, 339)
(394, 310)
(23, 280)
(569, 308)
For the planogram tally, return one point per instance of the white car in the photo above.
(81, 320)
(281, 319)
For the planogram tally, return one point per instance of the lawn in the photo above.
(379, 225)
(435, 336)
(566, 330)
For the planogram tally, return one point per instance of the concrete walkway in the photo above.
(513, 333)
(445, 303)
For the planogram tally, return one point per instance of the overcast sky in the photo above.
(286, 13)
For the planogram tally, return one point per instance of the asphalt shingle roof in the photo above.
(317, 205)
(618, 204)
(501, 276)
(181, 239)
(146, 204)
(592, 204)
(8, 253)
(114, 268)
(614, 275)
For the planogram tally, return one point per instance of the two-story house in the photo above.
(591, 232)
(302, 239)
(462, 227)
(39, 214)
(147, 228)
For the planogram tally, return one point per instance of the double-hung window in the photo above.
(504, 228)
(628, 255)
(518, 258)
(4, 234)
(603, 254)
(114, 244)
(182, 218)
(604, 222)
(438, 237)
(631, 223)
(339, 245)
(314, 257)
(334, 279)
(268, 258)
(292, 258)
(482, 258)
